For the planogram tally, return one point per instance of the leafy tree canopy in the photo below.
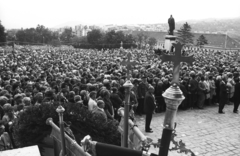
(202, 40)
(40, 34)
(152, 41)
(2, 33)
(67, 35)
(184, 34)
(95, 36)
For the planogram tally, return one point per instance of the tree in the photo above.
(202, 40)
(130, 40)
(110, 37)
(55, 43)
(38, 35)
(77, 40)
(141, 39)
(152, 41)
(120, 37)
(95, 36)
(21, 35)
(67, 35)
(184, 34)
(2, 33)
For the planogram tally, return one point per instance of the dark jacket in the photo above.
(142, 89)
(108, 107)
(193, 86)
(223, 92)
(149, 103)
(165, 86)
(223, 89)
(201, 88)
(159, 89)
(116, 100)
(236, 95)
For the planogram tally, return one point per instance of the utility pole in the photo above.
(226, 40)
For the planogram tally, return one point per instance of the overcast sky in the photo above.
(50, 13)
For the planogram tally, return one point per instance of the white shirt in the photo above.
(91, 104)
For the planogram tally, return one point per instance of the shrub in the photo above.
(30, 127)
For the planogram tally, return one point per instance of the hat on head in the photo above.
(3, 100)
(3, 92)
(26, 100)
(7, 107)
(18, 96)
(77, 98)
(99, 102)
(105, 81)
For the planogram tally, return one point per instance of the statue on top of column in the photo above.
(171, 24)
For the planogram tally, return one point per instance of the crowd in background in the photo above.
(95, 78)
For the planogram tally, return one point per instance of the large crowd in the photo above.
(94, 79)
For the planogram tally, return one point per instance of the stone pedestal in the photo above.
(169, 40)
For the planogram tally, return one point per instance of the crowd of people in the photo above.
(95, 78)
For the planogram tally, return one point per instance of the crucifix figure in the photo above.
(129, 64)
(176, 59)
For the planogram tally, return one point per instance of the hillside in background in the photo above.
(216, 40)
(232, 26)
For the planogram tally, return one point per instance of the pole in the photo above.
(226, 41)
(173, 97)
(165, 141)
(128, 85)
(60, 111)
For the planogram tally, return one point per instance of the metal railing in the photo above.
(132, 126)
(70, 143)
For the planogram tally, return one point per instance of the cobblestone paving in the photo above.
(205, 132)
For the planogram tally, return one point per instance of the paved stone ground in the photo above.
(205, 132)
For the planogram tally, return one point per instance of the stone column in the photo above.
(169, 40)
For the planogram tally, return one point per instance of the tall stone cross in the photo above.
(176, 59)
(129, 64)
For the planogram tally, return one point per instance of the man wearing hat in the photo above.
(236, 97)
(149, 107)
(142, 89)
(223, 94)
(192, 90)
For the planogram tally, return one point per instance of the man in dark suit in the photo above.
(192, 90)
(142, 89)
(149, 107)
(223, 94)
(236, 96)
